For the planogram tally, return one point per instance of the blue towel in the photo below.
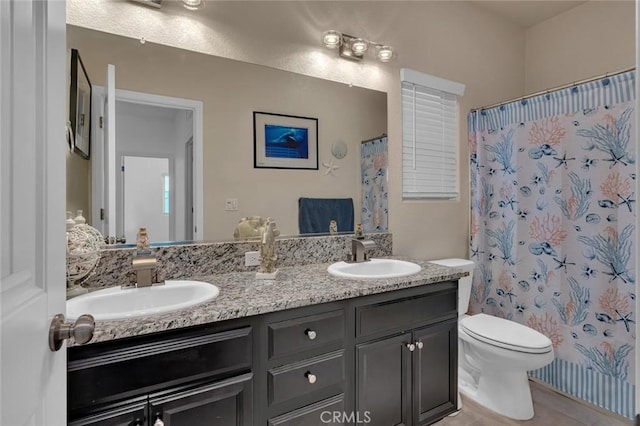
(314, 214)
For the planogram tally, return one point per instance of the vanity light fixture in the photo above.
(354, 48)
(193, 4)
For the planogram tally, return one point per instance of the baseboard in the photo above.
(583, 402)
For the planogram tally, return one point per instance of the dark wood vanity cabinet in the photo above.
(406, 366)
(176, 377)
(345, 362)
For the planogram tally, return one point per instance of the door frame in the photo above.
(97, 162)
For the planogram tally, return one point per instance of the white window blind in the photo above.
(429, 137)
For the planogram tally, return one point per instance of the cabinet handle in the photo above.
(411, 347)
(310, 334)
(310, 377)
(419, 344)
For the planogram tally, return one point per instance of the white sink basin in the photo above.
(375, 268)
(117, 303)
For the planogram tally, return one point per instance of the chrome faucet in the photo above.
(359, 250)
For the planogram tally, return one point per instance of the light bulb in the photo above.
(359, 46)
(331, 39)
(385, 54)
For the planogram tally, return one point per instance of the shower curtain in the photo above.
(553, 214)
(373, 169)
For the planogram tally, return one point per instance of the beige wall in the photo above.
(78, 185)
(230, 92)
(592, 39)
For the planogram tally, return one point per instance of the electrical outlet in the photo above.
(252, 258)
(231, 204)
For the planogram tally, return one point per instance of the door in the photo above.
(147, 199)
(435, 369)
(188, 190)
(225, 403)
(383, 380)
(109, 145)
(32, 205)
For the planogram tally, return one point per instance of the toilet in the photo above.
(494, 355)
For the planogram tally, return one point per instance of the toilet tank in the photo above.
(464, 283)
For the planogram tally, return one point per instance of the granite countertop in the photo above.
(242, 295)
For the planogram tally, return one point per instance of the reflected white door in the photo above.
(109, 141)
(32, 204)
(147, 197)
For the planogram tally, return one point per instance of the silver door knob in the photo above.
(310, 334)
(310, 377)
(81, 330)
(419, 345)
(411, 347)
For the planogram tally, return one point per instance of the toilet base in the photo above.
(506, 393)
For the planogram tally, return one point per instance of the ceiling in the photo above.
(527, 13)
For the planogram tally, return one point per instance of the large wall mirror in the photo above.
(155, 142)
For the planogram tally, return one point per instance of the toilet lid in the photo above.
(505, 334)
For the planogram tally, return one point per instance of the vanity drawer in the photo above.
(318, 414)
(305, 377)
(402, 314)
(305, 333)
(133, 370)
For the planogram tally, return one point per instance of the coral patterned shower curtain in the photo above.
(553, 214)
(373, 168)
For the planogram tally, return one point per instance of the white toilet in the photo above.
(494, 355)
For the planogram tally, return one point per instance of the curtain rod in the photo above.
(553, 89)
(384, 135)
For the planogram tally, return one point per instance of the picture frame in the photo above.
(284, 141)
(80, 106)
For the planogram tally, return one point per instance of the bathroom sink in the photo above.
(118, 303)
(374, 268)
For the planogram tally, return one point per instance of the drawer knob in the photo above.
(419, 345)
(310, 334)
(411, 347)
(158, 421)
(310, 377)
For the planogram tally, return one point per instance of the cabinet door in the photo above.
(225, 403)
(383, 381)
(131, 415)
(435, 372)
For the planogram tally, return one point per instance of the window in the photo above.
(165, 193)
(429, 136)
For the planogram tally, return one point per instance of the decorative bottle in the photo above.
(79, 219)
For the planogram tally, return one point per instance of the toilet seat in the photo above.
(505, 334)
